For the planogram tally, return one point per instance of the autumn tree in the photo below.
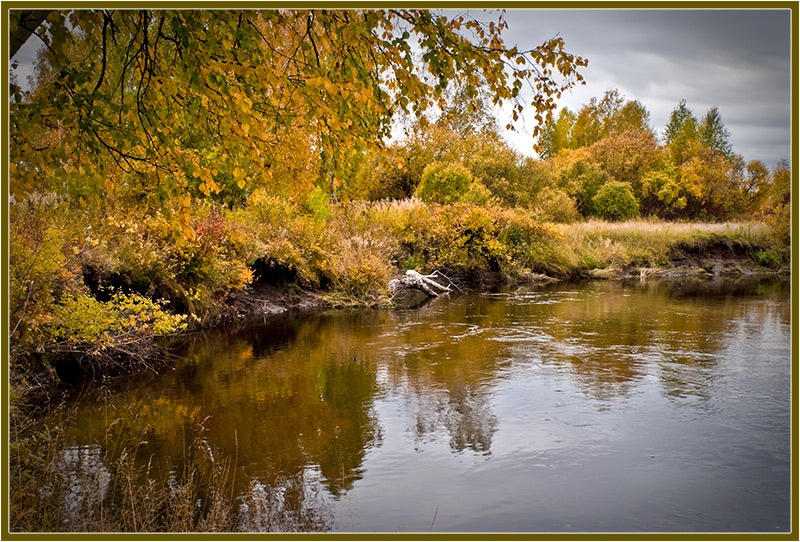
(594, 121)
(627, 156)
(146, 82)
(680, 130)
(579, 175)
(556, 134)
(714, 134)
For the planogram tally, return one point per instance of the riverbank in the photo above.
(637, 249)
(99, 301)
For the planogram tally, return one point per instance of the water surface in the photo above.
(598, 406)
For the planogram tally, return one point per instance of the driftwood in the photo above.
(415, 281)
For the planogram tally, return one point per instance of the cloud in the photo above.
(736, 59)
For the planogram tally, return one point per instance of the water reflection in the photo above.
(303, 403)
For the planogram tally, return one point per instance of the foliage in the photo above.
(45, 260)
(280, 233)
(556, 134)
(124, 325)
(714, 134)
(201, 100)
(53, 312)
(444, 183)
(555, 205)
(627, 156)
(593, 122)
(661, 191)
(478, 194)
(615, 201)
(693, 175)
(579, 175)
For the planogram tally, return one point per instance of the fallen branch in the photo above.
(415, 281)
(451, 283)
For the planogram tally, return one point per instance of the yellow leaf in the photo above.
(241, 184)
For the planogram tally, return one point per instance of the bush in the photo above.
(444, 183)
(555, 205)
(361, 269)
(780, 223)
(615, 201)
(126, 325)
(477, 194)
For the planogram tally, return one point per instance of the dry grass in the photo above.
(604, 245)
(655, 229)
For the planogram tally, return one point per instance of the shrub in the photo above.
(124, 325)
(555, 205)
(444, 183)
(780, 223)
(477, 194)
(615, 201)
(361, 269)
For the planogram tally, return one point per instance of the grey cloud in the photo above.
(738, 60)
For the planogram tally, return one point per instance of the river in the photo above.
(573, 407)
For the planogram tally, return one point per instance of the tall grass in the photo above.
(642, 243)
(55, 487)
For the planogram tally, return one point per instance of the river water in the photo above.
(581, 407)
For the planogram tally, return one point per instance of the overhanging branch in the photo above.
(23, 24)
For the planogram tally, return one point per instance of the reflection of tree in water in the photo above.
(292, 504)
(444, 369)
(306, 402)
(463, 413)
(606, 375)
(348, 389)
(613, 334)
(469, 420)
(273, 401)
(704, 289)
(292, 402)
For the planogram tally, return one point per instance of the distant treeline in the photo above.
(603, 161)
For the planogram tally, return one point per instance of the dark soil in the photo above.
(718, 257)
(264, 299)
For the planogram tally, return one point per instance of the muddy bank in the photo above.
(722, 259)
(264, 299)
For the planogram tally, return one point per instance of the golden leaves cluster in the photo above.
(149, 92)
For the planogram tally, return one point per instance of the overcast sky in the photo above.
(738, 60)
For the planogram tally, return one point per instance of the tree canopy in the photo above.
(200, 98)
